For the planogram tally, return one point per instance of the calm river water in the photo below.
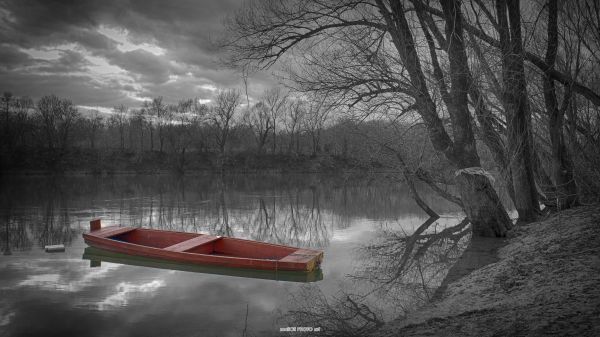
(63, 294)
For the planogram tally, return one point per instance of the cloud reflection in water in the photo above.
(126, 290)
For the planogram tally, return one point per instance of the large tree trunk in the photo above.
(562, 167)
(481, 203)
(458, 57)
(517, 110)
(492, 138)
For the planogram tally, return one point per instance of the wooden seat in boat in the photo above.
(192, 243)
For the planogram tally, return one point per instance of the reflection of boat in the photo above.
(201, 248)
(96, 256)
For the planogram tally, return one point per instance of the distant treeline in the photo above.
(278, 132)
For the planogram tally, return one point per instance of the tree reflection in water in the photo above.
(408, 268)
(220, 223)
(291, 222)
(342, 315)
(50, 223)
(56, 210)
(56, 228)
(397, 274)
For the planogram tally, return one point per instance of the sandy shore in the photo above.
(545, 283)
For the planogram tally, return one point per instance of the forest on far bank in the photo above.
(281, 132)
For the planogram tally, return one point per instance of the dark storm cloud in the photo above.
(69, 61)
(11, 58)
(41, 23)
(182, 30)
(145, 65)
(92, 40)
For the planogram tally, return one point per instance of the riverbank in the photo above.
(546, 282)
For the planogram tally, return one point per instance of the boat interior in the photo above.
(203, 244)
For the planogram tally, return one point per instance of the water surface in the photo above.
(63, 294)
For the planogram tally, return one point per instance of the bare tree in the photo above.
(160, 112)
(478, 30)
(377, 63)
(517, 110)
(57, 116)
(222, 115)
(275, 100)
(295, 117)
(180, 130)
(21, 121)
(7, 98)
(139, 119)
(15, 122)
(259, 119)
(200, 114)
(148, 120)
(119, 119)
(315, 118)
(92, 125)
(562, 165)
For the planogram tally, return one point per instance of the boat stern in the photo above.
(95, 225)
(302, 259)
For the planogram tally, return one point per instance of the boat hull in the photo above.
(96, 256)
(202, 249)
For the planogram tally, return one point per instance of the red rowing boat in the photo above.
(201, 248)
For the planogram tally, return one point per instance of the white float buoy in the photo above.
(55, 248)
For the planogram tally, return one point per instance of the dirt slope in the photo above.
(546, 283)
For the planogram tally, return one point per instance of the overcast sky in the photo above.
(108, 52)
